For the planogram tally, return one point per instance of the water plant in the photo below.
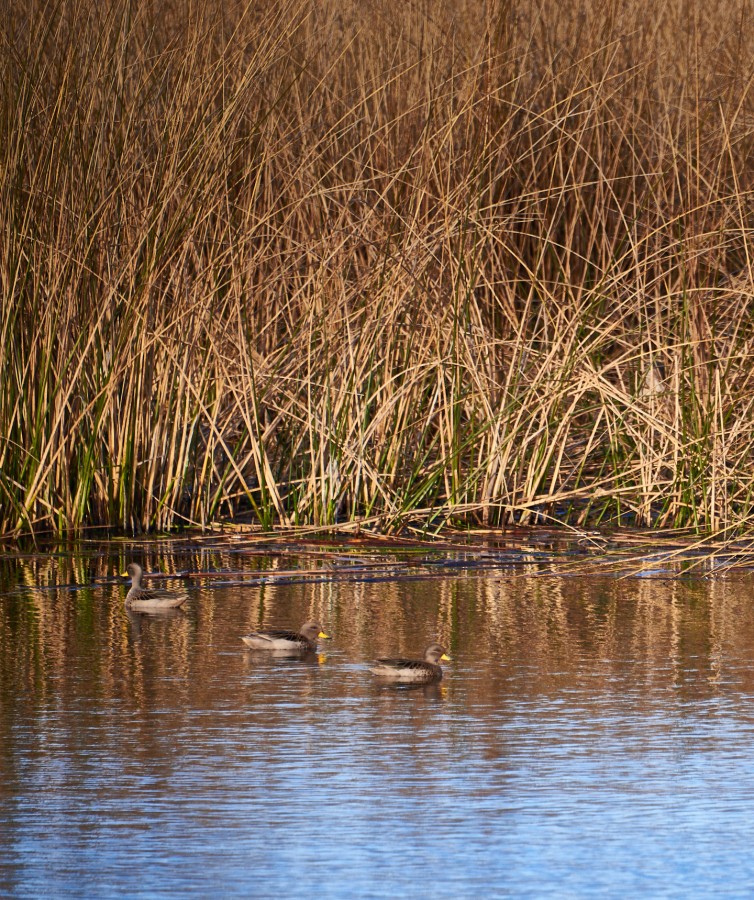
(301, 263)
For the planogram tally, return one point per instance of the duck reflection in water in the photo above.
(287, 657)
(434, 690)
(137, 618)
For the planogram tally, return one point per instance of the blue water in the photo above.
(590, 738)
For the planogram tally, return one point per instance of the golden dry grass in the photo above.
(313, 262)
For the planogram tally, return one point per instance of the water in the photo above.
(591, 737)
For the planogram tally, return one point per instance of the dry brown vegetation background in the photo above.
(313, 262)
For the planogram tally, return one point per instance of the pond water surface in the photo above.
(591, 736)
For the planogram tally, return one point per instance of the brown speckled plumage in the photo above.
(301, 641)
(418, 671)
(147, 600)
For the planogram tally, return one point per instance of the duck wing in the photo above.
(157, 598)
(399, 663)
(278, 634)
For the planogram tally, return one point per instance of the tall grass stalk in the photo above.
(312, 262)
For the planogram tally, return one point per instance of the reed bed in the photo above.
(304, 263)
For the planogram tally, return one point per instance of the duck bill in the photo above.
(323, 636)
(445, 657)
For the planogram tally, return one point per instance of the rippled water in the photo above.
(591, 736)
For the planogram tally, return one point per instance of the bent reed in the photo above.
(311, 262)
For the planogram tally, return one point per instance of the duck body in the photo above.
(412, 671)
(141, 599)
(302, 641)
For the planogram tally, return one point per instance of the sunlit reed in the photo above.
(305, 263)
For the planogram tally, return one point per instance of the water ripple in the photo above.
(568, 751)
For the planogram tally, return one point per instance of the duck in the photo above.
(146, 600)
(302, 641)
(414, 671)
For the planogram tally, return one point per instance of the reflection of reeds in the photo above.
(321, 264)
(520, 633)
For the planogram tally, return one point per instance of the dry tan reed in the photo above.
(312, 262)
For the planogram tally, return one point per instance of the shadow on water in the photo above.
(582, 726)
